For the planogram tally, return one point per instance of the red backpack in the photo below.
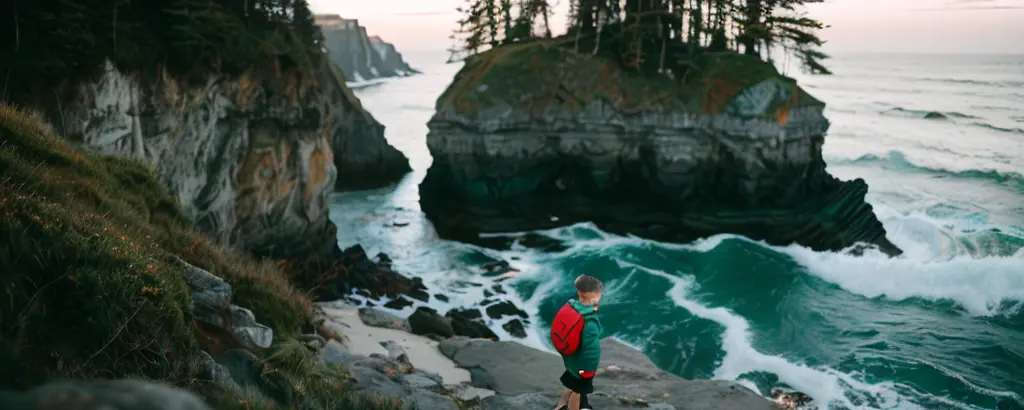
(566, 330)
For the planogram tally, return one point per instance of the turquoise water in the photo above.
(940, 328)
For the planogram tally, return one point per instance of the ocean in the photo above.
(940, 141)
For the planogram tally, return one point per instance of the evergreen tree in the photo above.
(653, 36)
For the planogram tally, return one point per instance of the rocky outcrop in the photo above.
(533, 136)
(249, 158)
(360, 56)
(511, 376)
(525, 378)
(363, 157)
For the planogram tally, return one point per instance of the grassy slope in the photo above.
(91, 290)
(539, 73)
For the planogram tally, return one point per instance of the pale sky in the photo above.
(927, 26)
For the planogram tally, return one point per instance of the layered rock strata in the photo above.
(534, 136)
(251, 159)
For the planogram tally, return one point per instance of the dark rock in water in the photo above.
(488, 293)
(371, 278)
(515, 328)
(487, 302)
(522, 375)
(505, 308)
(102, 395)
(469, 323)
(633, 155)
(398, 304)
(498, 289)
(932, 115)
(441, 297)
(418, 290)
(425, 321)
(788, 399)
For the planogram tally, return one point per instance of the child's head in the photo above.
(589, 289)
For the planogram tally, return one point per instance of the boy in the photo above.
(576, 334)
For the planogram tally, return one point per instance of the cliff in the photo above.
(250, 158)
(533, 136)
(360, 56)
(103, 278)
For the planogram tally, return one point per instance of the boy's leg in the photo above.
(574, 401)
(585, 403)
(563, 399)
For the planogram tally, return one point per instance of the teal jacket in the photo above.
(588, 355)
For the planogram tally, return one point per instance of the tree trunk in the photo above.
(753, 20)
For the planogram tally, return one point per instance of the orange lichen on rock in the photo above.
(317, 170)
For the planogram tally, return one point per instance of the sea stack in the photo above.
(534, 136)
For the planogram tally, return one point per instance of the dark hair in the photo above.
(588, 284)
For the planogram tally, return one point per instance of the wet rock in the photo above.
(515, 328)
(498, 289)
(441, 297)
(379, 318)
(375, 279)
(428, 400)
(418, 291)
(505, 308)
(399, 303)
(469, 323)
(488, 293)
(426, 321)
(103, 395)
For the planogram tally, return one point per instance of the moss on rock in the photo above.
(540, 73)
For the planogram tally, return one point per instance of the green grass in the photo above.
(91, 288)
(540, 73)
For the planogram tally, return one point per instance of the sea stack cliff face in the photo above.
(360, 56)
(249, 158)
(533, 136)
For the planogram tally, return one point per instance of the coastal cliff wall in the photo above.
(251, 159)
(360, 56)
(534, 136)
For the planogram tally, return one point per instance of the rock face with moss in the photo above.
(533, 136)
(251, 159)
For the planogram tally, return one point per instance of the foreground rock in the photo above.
(530, 137)
(102, 395)
(525, 378)
(361, 56)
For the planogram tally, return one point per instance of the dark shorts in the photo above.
(577, 384)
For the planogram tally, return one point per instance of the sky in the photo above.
(856, 26)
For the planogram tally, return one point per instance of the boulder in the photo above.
(379, 318)
(505, 308)
(103, 395)
(534, 136)
(426, 321)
